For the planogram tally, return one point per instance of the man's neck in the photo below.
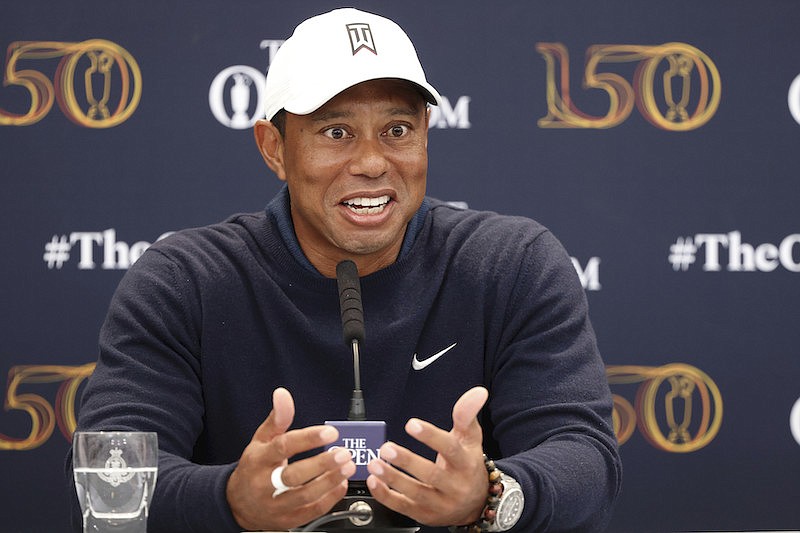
(279, 208)
(366, 264)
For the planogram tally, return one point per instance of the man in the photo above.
(479, 340)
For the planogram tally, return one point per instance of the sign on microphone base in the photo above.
(363, 438)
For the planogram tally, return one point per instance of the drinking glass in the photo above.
(115, 474)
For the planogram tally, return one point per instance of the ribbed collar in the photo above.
(279, 210)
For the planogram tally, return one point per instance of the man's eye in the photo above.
(335, 133)
(398, 130)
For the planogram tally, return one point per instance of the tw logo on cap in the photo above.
(361, 38)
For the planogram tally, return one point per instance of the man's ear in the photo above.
(428, 114)
(270, 144)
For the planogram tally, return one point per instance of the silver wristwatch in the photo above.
(512, 501)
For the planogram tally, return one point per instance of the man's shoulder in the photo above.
(493, 248)
(456, 219)
(233, 228)
(217, 243)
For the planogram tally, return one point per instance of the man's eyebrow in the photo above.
(332, 115)
(409, 111)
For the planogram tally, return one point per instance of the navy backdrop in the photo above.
(658, 140)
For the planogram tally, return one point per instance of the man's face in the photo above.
(356, 171)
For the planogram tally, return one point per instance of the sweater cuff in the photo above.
(209, 513)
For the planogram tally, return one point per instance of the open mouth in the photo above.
(367, 206)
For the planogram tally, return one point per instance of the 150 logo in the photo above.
(692, 405)
(82, 84)
(663, 94)
(43, 416)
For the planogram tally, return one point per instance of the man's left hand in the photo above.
(450, 491)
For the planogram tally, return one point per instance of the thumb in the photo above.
(466, 409)
(280, 418)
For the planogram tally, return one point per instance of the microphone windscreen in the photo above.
(350, 302)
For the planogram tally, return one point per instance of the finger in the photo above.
(294, 508)
(279, 418)
(427, 508)
(392, 499)
(303, 471)
(440, 494)
(289, 444)
(395, 458)
(318, 487)
(447, 444)
(455, 449)
(319, 494)
(321, 502)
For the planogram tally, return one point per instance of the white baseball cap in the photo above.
(331, 52)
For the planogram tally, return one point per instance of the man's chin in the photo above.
(370, 246)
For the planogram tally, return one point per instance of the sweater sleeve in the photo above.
(148, 378)
(550, 406)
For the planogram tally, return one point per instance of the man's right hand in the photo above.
(316, 483)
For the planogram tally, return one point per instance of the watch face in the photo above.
(510, 509)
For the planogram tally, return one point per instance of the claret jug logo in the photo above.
(794, 421)
(794, 99)
(236, 95)
(678, 407)
(676, 87)
(361, 38)
(244, 88)
(96, 83)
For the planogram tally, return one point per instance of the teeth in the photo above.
(368, 202)
(367, 206)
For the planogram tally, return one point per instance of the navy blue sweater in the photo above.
(208, 322)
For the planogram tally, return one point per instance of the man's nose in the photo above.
(369, 159)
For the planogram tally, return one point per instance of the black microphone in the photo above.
(358, 510)
(352, 329)
(350, 302)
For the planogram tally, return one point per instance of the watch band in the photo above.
(504, 503)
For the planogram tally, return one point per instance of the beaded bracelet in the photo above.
(492, 501)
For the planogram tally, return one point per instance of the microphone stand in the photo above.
(358, 511)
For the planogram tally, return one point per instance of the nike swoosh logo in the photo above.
(416, 364)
